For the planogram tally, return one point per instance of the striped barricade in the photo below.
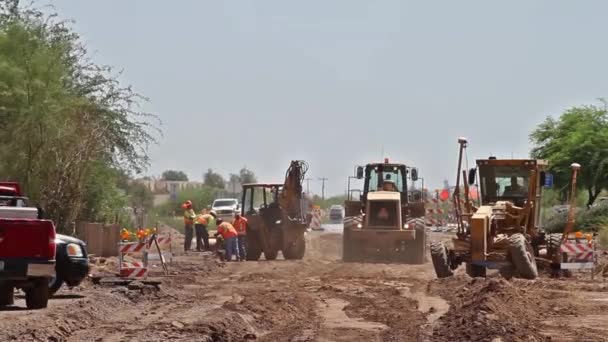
(315, 223)
(136, 269)
(578, 255)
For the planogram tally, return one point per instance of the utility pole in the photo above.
(308, 185)
(323, 179)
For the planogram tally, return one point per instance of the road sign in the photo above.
(548, 180)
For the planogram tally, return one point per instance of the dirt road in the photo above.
(317, 299)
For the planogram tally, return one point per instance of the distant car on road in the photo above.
(225, 208)
(336, 213)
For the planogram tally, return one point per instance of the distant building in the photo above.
(161, 186)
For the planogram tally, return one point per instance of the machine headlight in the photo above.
(406, 226)
(359, 226)
(278, 222)
(74, 250)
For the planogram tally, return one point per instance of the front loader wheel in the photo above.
(254, 249)
(418, 252)
(271, 254)
(349, 250)
(296, 250)
(441, 264)
(522, 256)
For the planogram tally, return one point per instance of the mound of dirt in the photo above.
(492, 309)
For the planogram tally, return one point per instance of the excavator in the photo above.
(276, 218)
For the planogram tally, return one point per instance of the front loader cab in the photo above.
(385, 177)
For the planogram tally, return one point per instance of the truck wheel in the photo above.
(6, 295)
(254, 251)
(55, 284)
(296, 250)
(37, 297)
(439, 256)
(475, 271)
(522, 256)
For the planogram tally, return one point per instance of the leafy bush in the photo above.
(586, 220)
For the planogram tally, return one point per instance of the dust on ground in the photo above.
(315, 299)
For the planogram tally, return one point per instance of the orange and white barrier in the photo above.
(580, 255)
(131, 247)
(315, 223)
(132, 269)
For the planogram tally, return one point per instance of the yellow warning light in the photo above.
(578, 235)
(589, 237)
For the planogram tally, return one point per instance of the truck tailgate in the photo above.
(23, 238)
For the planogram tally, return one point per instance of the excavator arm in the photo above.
(291, 196)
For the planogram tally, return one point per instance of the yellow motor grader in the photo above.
(384, 225)
(503, 232)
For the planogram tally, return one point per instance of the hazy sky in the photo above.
(259, 83)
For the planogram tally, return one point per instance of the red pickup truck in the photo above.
(27, 249)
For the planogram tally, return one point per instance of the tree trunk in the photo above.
(593, 193)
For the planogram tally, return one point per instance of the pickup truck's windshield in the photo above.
(224, 203)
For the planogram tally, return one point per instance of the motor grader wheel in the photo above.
(439, 256)
(522, 257)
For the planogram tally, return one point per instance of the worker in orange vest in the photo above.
(240, 224)
(229, 234)
(189, 217)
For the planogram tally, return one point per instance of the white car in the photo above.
(225, 208)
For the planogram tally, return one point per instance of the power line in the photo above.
(323, 179)
(308, 185)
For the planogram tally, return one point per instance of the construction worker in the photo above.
(240, 224)
(204, 219)
(229, 235)
(189, 217)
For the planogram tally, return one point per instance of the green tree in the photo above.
(66, 125)
(579, 135)
(140, 196)
(214, 180)
(247, 176)
(174, 175)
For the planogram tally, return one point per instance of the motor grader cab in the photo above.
(275, 218)
(382, 225)
(503, 232)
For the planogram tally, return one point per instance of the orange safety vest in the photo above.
(200, 219)
(189, 216)
(240, 225)
(226, 230)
